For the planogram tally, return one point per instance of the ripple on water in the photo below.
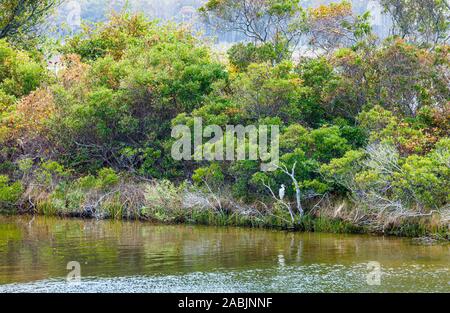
(143, 257)
(312, 278)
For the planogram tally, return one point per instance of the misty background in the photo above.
(71, 14)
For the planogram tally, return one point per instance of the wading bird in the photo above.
(281, 192)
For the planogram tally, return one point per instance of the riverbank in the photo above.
(169, 203)
(422, 230)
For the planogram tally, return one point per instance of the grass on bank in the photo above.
(110, 196)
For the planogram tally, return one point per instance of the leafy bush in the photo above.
(425, 179)
(107, 178)
(211, 175)
(19, 74)
(9, 192)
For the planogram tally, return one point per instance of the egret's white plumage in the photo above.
(281, 192)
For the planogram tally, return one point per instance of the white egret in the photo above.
(281, 192)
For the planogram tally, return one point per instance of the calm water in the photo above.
(141, 257)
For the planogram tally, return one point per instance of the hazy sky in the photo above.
(179, 11)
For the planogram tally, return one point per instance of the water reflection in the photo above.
(258, 260)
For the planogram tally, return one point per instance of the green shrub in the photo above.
(9, 192)
(212, 175)
(107, 178)
(19, 74)
(425, 179)
(86, 182)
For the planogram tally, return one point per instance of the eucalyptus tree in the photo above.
(21, 18)
(420, 21)
(277, 22)
(284, 24)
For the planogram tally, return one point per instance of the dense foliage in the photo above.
(21, 20)
(362, 121)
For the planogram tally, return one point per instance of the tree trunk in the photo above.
(298, 198)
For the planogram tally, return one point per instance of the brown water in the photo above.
(142, 257)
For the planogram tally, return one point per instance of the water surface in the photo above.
(120, 256)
